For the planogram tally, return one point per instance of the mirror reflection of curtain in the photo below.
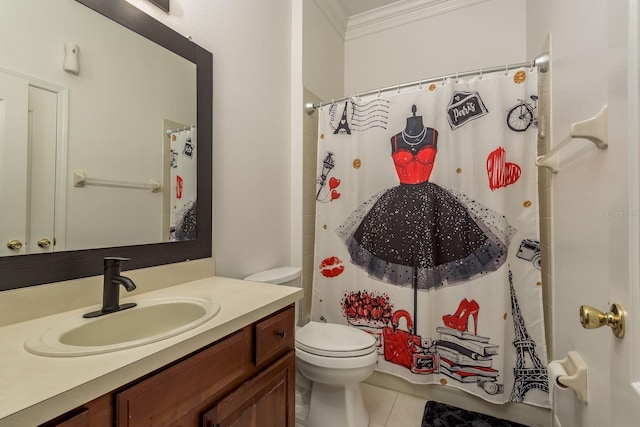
(182, 221)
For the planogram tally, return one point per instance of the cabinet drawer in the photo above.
(97, 413)
(79, 418)
(275, 335)
(167, 395)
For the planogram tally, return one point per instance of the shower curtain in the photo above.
(427, 232)
(183, 214)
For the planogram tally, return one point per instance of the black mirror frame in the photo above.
(28, 270)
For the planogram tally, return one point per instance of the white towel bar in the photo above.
(593, 129)
(80, 180)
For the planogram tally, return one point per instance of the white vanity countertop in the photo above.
(35, 389)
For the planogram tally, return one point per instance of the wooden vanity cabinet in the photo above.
(245, 379)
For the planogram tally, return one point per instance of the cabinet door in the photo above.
(265, 401)
(166, 397)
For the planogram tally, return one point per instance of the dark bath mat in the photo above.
(438, 414)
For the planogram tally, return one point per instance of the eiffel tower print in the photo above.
(529, 371)
(343, 125)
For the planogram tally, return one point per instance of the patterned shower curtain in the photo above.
(183, 211)
(427, 233)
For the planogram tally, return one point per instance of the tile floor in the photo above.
(388, 408)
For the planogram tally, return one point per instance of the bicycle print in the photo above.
(523, 115)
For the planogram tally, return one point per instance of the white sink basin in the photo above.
(150, 321)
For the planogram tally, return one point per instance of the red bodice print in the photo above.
(414, 168)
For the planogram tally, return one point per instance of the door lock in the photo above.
(14, 244)
(592, 318)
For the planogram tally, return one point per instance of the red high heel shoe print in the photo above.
(460, 319)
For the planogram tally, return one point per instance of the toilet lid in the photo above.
(328, 339)
(275, 276)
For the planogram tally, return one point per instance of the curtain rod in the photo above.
(542, 62)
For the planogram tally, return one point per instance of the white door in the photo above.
(624, 272)
(41, 167)
(28, 149)
(596, 202)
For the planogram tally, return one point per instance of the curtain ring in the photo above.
(398, 87)
(506, 70)
(378, 93)
(444, 77)
(332, 103)
(457, 78)
(420, 85)
(480, 78)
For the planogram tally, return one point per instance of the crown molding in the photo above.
(336, 15)
(397, 14)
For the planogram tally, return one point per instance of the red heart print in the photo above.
(500, 172)
(334, 195)
(333, 182)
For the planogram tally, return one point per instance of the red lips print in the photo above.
(500, 172)
(331, 267)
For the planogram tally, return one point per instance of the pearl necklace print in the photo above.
(419, 137)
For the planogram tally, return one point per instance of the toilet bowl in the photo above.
(336, 359)
(331, 362)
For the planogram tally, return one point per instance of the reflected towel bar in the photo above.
(80, 180)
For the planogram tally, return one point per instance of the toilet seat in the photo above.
(338, 363)
(332, 340)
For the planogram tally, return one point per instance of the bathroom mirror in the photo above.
(33, 269)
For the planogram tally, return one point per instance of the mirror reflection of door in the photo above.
(29, 115)
(41, 172)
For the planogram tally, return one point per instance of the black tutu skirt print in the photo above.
(439, 235)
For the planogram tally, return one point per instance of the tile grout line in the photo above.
(391, 410)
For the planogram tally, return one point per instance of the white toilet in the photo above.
(331, 360)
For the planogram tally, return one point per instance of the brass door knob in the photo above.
(14, 244)
(44, 243)
(592, 318)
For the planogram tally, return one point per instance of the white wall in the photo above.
(250, 41)
(484, 35)
(323, 54)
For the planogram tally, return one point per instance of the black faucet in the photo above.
(111, 288)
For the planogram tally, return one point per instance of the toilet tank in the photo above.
(287, 276)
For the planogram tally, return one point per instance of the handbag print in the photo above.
(399, 345)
